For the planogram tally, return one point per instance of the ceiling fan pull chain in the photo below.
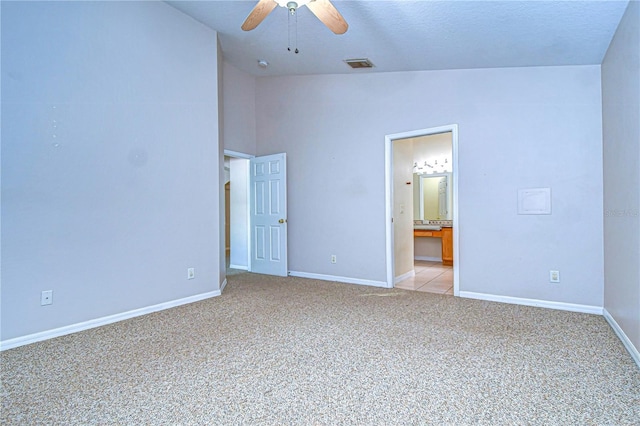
(293, 30)
(296, 32)
(289, 32)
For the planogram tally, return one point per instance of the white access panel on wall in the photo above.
(268, 214)
(534, 201)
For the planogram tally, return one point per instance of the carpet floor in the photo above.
(297, 351)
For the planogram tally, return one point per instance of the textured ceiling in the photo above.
(416, 35)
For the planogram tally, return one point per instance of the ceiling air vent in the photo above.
(359, 63)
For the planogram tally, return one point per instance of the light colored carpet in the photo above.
(297, 351)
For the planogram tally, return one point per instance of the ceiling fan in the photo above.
(323, 9)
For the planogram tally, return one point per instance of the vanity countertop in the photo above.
(432, 224)
(428, 227)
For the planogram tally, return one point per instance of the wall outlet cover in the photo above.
(46, 297)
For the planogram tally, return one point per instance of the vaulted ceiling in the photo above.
(415, 35)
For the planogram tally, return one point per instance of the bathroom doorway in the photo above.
(422, 210)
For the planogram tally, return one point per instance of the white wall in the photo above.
(621, 132)
(239, 110)
(430, 148)
(110, 161)
(519, 128)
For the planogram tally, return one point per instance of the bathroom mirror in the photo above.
(434, 197)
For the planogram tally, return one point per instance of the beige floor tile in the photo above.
(442, 281)
(438, 268)
(447, 274)
(426, 262)
(427, 275)
(409, 284)
(431, 277)
(435, 286)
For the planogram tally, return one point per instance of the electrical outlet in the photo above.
(191, 273)
(334, 258)
(554, 276)
(46, 298)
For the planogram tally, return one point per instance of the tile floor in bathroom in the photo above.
(431, 277)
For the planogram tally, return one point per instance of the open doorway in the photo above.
(237, 212)
(422, 207)
(256, 214)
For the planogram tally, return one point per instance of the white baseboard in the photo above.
(243, 268)
(73, 328)
(400, 278)
(338, 279)
(586, 309)
(633, 351)
(428, 258)
(223, 285)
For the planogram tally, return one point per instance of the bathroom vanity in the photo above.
(446, 234)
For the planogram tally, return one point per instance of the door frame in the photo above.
(388, 193)
(242, 155)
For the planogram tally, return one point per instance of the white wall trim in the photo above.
(428, 258)
(410, 274)
(388, 209)
(223, 285)
(338, 279)
(241, 267)
(236, 154)
(633, 351)
(86, 325)
(572, 307)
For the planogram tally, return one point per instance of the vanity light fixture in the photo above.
(430, 168)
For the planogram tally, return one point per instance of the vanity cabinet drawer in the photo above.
(427, 233)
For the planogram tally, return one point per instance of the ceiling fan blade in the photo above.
(257, 15)
(329, 15)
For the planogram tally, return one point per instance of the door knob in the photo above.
(281, 221)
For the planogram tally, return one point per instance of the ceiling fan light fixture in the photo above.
(287, 3)
(359, 63)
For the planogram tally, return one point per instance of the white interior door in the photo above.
(268, 214)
